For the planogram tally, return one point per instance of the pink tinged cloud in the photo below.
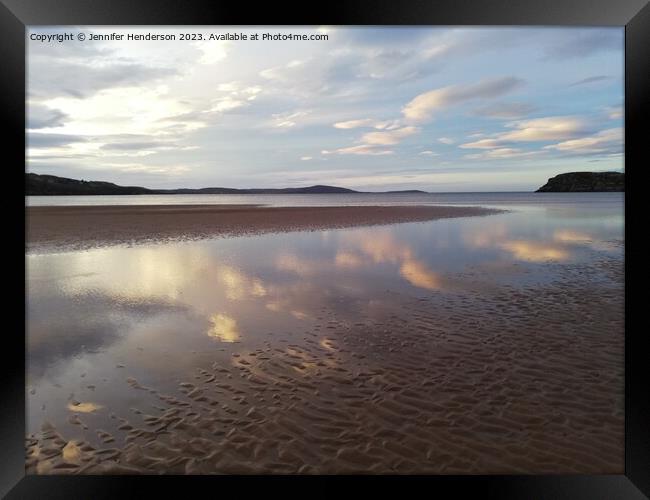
(545, 129)
(482, 144)
(422, 107)
(600, 142)
(389, 137)
(362, 149)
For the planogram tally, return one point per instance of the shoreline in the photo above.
(82, 227)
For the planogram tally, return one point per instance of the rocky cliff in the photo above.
(575, 182)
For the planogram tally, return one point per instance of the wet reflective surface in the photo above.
(104, 323)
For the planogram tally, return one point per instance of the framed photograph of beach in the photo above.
(382, 242)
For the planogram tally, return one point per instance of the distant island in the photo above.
(580, 182)
(51, 185)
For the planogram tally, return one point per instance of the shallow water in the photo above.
(299, 200)
(102, 323)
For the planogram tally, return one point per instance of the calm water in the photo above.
(154, 313)
(484, 199)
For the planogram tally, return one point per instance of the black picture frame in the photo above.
(634, 15)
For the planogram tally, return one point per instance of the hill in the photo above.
(44, 185)
(51, 185)
(578, 182)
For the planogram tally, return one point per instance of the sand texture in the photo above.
(522, 380)
(80, 227)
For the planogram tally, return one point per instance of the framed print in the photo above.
(376, 242)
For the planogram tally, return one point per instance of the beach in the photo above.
(83, 226)
(431, 342)
(354, 251)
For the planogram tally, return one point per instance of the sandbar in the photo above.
(79, 227)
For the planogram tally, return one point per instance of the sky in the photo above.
(441, 109)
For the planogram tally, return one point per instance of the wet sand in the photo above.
(522, 380)
(79, 227)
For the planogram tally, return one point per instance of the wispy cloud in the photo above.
(213, 51)
(591, 79)
(362, 149)
(605, 141)
(502, 153)
(483, 144)
(583, 43)
(45, 140)
(505, 110)
(40, 116)
(614, 112)
(364, 122)
(422, 107)
(535, 130)
(545, 129)
(289, 119)
(390, 137)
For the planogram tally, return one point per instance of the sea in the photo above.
(497, 199)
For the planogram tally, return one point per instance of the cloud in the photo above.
(224, 328)
(63, 78)
(533, 251)
(605, 141)
(571, 131)
(227, 103)
(142, 111)
(235, 96)
(419, 275)
(456, 43)
(365, 122)
(483, 144)
(56, 339)
(501, 154)
(422, 107)
(384, 248)
(508, 110)
(213, 51)
(390, 137)
(363, 149)
(348, 259)
(306, 158)
(591, 79)
(371, 37)
(51, 145)
(369, 123)
(239, 90)
(148, 168)
(428, 153)
(614, 112)
(545, 129)
(583, 43)
(288, 120)
(283, 72)
(305, 78)
(128, 146)
(40, 116)
(446, 140)
(570, 236)
(414, 54)
(41, 140)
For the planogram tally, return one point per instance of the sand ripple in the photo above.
(526, 380)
